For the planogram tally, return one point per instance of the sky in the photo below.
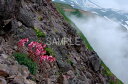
(116, 4)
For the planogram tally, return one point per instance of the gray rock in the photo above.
(4, 71)
(2, 81)
(65, 80)
(26, 17)
(8, 8)
(71, 73)
(95, 61)
(64, 66)
(24, 71)
(4, 56)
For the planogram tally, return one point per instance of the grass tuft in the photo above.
(50, 51)
(39, 33)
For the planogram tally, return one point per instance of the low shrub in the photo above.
(23, 59)
(50, 51)
(39, 33)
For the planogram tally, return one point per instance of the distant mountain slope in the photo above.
(111, 14)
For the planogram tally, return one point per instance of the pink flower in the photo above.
(43, 52)
(38, 52)
(39, 46)
(44, 57)
(44, 45)
(51, 59)
(22, 42)
(35, 44)
(37, 49)
(32, 44)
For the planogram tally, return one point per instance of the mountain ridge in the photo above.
(38, 20)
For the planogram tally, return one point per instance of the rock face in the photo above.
(75, 64)
(8, 8)
(10, 71)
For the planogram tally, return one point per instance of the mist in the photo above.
(109, 40)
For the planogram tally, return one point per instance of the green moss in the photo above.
(40, 18)
(116, 82)
(88, 46)
(62, 12)
(108, 73)
(39, 33)
(24, 60)
(77, 13)
(69, 62)
(50, 51)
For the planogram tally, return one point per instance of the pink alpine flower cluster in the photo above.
(22, 42)
(38, 49)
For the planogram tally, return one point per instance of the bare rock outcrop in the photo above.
(75, 64)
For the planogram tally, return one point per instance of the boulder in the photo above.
(95, 62)
(2, 81)
(4, 70)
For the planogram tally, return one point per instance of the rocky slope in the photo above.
(74, 65)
